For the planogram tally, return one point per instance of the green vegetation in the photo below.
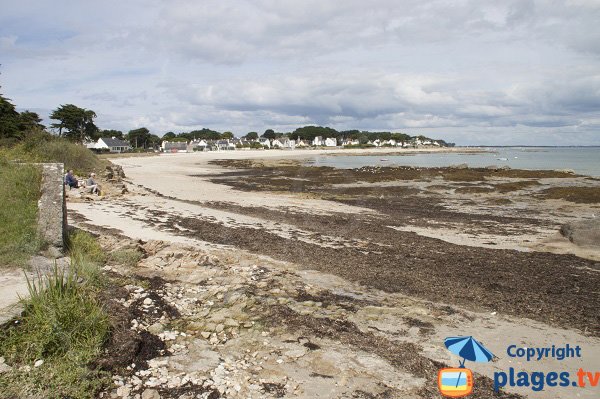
(127, 257)
(19, 194)
(43, 147)
(75, 123)
(64, 326)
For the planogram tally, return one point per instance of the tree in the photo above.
(251, 136)
(310, 132)
(75, 123)
(206, 134)
(154, 140)
(227, 135)
(139, 137)
(30, 121)
(9, 119)
(169, 136)
(111, 133)
(269, 133)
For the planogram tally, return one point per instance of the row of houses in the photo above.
(108, 144)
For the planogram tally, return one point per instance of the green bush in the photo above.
(127, 257)
(43, 147)
(19, 195)
(84, 247)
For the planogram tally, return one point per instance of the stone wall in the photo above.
(52, 214)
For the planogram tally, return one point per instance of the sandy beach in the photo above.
(374, 266)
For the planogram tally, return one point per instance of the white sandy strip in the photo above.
(519, 242)
(169, 174)
(134, 210)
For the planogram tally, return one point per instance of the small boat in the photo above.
(502, 159)
(384, 159)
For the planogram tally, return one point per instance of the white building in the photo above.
(111, 144)
(330, 142)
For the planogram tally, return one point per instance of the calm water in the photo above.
(584, 160)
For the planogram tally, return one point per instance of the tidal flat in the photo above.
(342, 283)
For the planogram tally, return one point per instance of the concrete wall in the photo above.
(52, 210)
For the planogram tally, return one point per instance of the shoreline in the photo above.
(332, 235)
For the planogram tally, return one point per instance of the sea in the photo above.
(582, 160)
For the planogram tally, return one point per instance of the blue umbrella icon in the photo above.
(469, 349)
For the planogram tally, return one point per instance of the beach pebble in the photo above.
(38, 363)
(150, 394)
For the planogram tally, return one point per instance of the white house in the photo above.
(111, 144)
(225, 145)
(330, 142)
(318, 141)
(350, 142)
(198, 145)
(301, 143)
(283, 142)
(264, 142)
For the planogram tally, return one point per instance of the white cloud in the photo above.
(464, 68)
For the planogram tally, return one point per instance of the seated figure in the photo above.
(71, 180)
(92, 185)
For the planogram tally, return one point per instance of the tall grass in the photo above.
(62, 324)
(43, 147)
(19, 195)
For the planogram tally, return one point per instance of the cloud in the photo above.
(469, 69)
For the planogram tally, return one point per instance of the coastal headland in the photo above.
(291, 280)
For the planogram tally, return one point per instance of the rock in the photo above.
(147, 301)
(205, 334)
(231, 323)
(156, 328)
(150, 394)
(460, 166)
(585, 233)
(38, 363)
(296, 353)
(123, 391)
(220, 328)
(4, 368)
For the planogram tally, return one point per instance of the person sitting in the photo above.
(70, 180)
(92, 185)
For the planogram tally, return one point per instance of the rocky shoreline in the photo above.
(235, 300)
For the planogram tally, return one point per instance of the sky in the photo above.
(473, 72)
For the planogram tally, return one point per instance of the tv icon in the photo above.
(455, 382)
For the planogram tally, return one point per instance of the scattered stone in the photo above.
(585, 233)
(38, 363)
(150, 394)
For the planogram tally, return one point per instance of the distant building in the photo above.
(174, 146)
(111, 144)
(318, 141)
(330, 142)
(265, 142)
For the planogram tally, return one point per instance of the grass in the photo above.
(19, 194)
(46, 148)
(128, 257)
(64, 325)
